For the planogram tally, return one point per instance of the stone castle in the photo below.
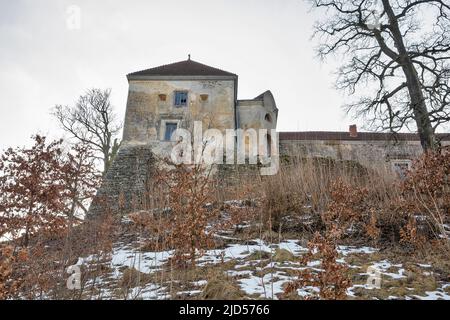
(172, 96)
(165, 98)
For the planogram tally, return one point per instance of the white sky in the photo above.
(266, 42)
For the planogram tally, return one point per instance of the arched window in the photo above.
(268, 117)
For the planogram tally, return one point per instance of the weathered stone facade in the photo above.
(124, 186)
(258, 113)
(211, 97)
(151, 105)
(369, 149)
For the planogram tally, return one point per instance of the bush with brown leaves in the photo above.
(426, 197)
(182, 213)
(332, 280)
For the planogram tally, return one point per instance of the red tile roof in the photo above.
(183, 68)
(362, 136)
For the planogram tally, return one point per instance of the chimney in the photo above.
(353, 131)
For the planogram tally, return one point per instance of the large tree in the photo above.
(396, 56)
(92, 121)
(44, 188)
(30, 190)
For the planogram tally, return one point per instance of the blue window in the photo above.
(181, 98)
(170, 128)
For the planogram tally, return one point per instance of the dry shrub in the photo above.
(29, 273)
(283, 255)
(409, 234)
(219, 287)
(39, 270)
(348, 205)
(364, 211)
(132, 278)
(182, 214)
(377, 208)
(297, 196)
(332, 280)
(371, 228)
(426, 197)
(8, 258)
(93, 239)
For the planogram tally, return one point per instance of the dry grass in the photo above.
(219, 287)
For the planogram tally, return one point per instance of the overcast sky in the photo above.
(44, 61)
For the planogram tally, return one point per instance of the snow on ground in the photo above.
(149, 292)
(346, 250)
(434, 295)
(146, 262)
(252, 269)
(384, 266)
(267, 286)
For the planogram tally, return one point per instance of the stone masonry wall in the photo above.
(123, 188)
(147, 112)
(368, 153)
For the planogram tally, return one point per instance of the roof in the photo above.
(362, 136)
(265, 97)
(261, 96)
(183, 68)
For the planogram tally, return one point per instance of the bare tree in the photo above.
(92, 121)
(81, 180)
(396, 54)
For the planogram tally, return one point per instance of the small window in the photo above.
(401, 167)
(170, 128)
(181, 98)
(268, 117)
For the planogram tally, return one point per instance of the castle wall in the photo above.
(123, 189)
(367, 153)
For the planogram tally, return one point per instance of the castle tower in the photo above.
(164, 98)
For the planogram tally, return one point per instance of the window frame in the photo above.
(180, 105)
(170, 124)
(162, 127)
(396, 165)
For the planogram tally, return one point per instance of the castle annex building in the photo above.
(172, 96)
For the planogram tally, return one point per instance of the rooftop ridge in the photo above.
(182, 68)
(361, 136)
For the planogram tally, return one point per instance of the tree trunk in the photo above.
(424, 128)
(26, 238)
(418, 105)
(106, 161)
